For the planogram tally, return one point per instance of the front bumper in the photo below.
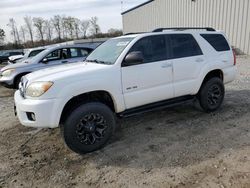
(46, 116)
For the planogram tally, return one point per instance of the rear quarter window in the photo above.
(217, 41)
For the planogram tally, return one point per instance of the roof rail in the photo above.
(134, 33)
(184, 28)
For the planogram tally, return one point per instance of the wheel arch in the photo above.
(19, 76)
(211, 74)
(94, 96)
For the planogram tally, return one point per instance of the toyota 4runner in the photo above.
(125, 76)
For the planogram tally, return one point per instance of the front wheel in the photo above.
(88, 127)
(211, 94)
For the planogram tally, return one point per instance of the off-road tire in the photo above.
(211, 94)
(86, 122)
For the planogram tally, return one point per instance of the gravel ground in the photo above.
(177, 147)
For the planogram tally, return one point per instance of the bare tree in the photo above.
(13, 30)
(77, 24)
(48, 29)
(17, 36)
(84, 27)
(63, 24)
(2, 35)
(68, 23)
(39, 25)
(29, 24)
(22, 32)
(114, 32)
(94, 27)
(57, 22)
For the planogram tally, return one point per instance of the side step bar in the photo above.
(156, 106)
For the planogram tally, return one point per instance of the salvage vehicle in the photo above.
(11, 75)
(28, 53)
(126, 76)
(5, 56)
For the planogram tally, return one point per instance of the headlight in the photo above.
(8, 72)
(37, 89)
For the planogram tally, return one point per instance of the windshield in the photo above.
(35, 52)
(109, 51)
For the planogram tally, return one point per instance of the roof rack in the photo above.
(134, 33)
(184, 28)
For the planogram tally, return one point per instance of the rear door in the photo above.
(150, 81)
(188, 60)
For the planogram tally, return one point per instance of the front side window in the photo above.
(184, 45)
(109, 51)
(55, 55)
(153, 48)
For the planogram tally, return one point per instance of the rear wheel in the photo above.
(211, 94)
(89, 127)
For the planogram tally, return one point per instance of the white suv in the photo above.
(126, 76)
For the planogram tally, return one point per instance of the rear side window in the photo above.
(184, 45)
(78, 52)
(153, 48)
(218, 41)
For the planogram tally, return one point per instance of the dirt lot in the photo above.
(178, 147)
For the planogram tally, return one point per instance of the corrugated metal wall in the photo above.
(231, 16)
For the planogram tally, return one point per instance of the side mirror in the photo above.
(133, 58)
(45, 61)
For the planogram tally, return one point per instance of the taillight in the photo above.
(234, 57)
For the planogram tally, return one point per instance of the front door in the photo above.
(150, 81)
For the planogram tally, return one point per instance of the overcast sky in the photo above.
(108, 11)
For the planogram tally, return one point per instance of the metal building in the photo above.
(231, 16)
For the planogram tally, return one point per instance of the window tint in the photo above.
(218, 41)
(153, 48)
(184, 45)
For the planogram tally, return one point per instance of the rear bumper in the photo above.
(230, 74)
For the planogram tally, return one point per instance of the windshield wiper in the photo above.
(99, 62)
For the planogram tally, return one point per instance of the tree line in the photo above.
(38, 31)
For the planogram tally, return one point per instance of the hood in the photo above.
(14, 57)
(64, 71)
(16, 65)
